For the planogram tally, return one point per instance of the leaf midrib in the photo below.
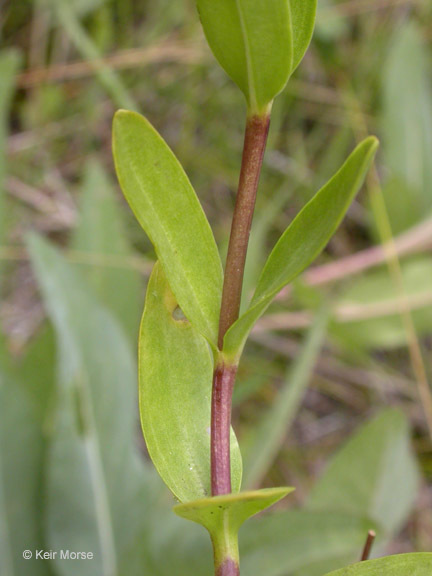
(100, 491)
(248, 56)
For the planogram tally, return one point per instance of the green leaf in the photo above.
(407, 127)
(267, 437)
(419, 564)
(96, 489)
(301, 542)
(180, 547)
(166, 206)
(176, 372)
(21, 469)
(223, 515)
(388, 491)
(253, 42)
(285, 542)
(375, 301)
(304, 240)
(104, 251)
(36, 371)
(303, 13)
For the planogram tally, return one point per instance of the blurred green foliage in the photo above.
(73, 470)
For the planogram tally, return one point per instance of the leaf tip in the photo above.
(123, 112)
(372, 143)
(122, 116)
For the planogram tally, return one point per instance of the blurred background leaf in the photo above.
(379, 482)
(303, 542)
(407, 127)
(21, 476)
(95, 479)
(369, 313)
(113, 269)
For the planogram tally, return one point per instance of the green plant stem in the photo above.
(224, 375)
(226, 552)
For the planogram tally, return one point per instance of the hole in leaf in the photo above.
(178, 315)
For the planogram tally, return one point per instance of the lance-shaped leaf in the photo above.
(223, 516)
(419, 564)
(101, 240)
(303, 13)
(176, 370)
(407, 127)
(258, 43)
(96, 486)
(388, 491)
(166, 206)
(300, 542)
(303, 240)
(252, 40)
(21, 469)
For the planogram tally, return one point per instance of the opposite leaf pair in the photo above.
(181, 318)
(165, 204)
(176, 365)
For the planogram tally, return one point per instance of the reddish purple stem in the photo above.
(228, 568)
(223, 385)
(256, 133)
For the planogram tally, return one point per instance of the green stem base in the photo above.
(223, 515)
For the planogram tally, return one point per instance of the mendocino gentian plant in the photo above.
(192, 334)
